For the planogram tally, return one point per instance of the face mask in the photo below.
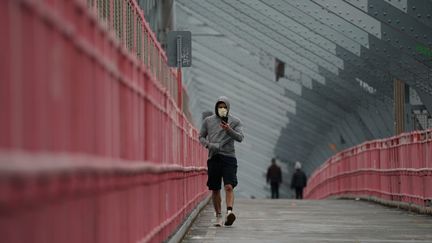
(222, 112)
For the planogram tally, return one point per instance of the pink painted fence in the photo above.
(395, 169)
(93, 145)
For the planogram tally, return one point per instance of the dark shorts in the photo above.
(221, 167)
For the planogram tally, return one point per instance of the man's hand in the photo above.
(225, 126)
(213, 146)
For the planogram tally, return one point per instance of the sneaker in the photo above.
(219, 220)
(230, 217)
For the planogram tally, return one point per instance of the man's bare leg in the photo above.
(229, 197)
(217, 201)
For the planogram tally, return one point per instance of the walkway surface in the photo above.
(265, 220)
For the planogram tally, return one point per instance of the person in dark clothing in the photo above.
(274, 177)
(298, 181)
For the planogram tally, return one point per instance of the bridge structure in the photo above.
(99, 136)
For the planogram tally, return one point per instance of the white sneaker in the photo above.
(219, 220)
(230, 218)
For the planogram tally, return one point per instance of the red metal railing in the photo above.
(395, 169)
(93, 147)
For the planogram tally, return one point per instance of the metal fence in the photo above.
(397, 169)
(93, 147)
(126, 20)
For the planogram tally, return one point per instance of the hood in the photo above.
(224, 100)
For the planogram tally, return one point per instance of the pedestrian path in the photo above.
(265, 220)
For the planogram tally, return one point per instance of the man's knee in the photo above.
(228, 187)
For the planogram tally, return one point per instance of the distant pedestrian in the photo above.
(298, 181)
(274, 177)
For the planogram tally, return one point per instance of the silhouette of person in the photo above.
(298, 181)
(274, 177)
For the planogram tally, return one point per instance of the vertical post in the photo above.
(399, 106)
(179, 73)
(180, 88)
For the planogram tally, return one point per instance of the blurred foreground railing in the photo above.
(93, 146)
(395, 171)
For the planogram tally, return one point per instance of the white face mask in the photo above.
(222, 112)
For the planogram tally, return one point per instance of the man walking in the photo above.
(298, 181)
(274, 177)
(218, 133)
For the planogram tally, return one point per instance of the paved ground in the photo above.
(265, 220)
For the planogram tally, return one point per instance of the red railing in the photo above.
(93, 147)
(397, 169)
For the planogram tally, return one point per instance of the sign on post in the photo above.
(179, 49)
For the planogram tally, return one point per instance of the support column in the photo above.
(399, 106)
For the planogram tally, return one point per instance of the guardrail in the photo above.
(397, 170)
(93, 147)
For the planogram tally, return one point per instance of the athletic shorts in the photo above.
(221, 167)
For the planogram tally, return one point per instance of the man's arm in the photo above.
(236, 132)
(203, 134)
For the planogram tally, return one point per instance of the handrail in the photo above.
(93, 146)
(397, 169)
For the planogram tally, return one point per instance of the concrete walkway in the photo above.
(265, 220)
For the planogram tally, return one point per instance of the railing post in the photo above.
(179, 89)
(179, 72)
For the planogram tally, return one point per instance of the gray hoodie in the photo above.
(216, 139)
